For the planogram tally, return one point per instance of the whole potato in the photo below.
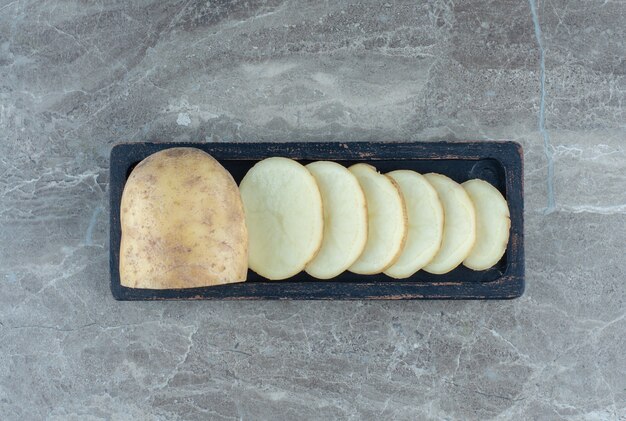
(182, 222)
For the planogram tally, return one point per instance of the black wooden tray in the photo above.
(499, 163)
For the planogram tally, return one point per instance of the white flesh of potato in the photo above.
(459, 227)
(283, 209)
(345, 220)
(387, 221)
(493, 223)
(425, 215)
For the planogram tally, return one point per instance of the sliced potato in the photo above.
(345, 220)
(387, 221)
(425, 216)
(459, 227)
(283, 209)
(493, 223)
(182, 223)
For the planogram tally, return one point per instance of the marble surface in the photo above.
(77, 77)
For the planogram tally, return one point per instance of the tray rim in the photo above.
(510, 285)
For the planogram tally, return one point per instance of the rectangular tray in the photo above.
(499, 163)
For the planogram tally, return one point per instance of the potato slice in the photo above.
(425, 215)
(387, 221)
(493, 223)
(345, 220)
(182, 223)
(284, 216)
(459, 227)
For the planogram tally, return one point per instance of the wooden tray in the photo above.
(499, 163)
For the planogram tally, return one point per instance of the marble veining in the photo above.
(542, 107)
(77, 77)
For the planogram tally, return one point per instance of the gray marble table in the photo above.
(77, 77)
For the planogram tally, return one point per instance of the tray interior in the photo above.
(459, 170)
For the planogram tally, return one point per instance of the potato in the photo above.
(283, 210)
(182, 223)
(459, 227)
(425, 214)
(345, 220)
(387, 221)
(493, 224)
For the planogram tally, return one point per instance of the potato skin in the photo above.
(182, 222)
